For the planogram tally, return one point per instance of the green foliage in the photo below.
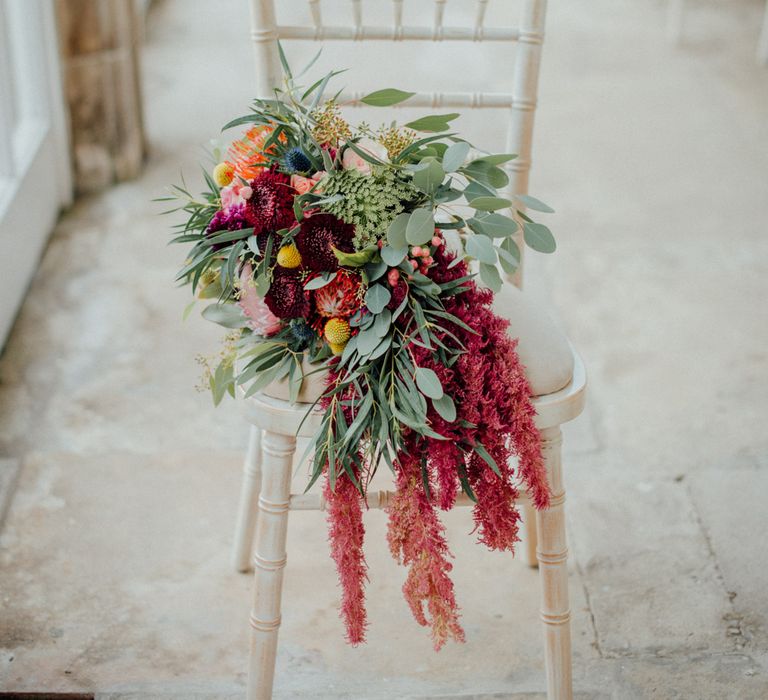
(379, 388)
(370, 202)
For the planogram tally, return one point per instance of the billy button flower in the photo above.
(337, 334)
(223, 174)
(289, 257)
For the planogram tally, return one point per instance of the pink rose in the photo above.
(232, 195)
(261, 320)
(304, 184)
(352, 161)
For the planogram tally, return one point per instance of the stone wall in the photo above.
(99, 43)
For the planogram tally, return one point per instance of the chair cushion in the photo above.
(543, 349)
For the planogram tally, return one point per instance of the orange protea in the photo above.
(340, 297)
(247, 156)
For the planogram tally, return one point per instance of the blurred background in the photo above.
(118, 481)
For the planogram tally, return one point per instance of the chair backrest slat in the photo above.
(471, 100)
(521, 102)
(482, 6)
(397, 33)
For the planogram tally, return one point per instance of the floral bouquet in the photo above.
(350, 251)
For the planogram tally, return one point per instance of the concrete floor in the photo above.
(114, 572)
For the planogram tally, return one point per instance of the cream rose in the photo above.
(352, 161)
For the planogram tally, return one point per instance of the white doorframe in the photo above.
(35, 177)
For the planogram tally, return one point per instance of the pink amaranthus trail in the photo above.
(494, 414)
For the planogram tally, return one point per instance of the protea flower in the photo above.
(260, 318)
(339, 298)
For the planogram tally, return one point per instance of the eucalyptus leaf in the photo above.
(433, 123)
(430, 177)
(421, 227)
(496, 225)
(396, 231)
(445, 407)
(377, 297)
(496, 158)
(491, 277)
(367, 340)
(490, 203)
(428, 383)
(539, 237)
(382, 323)
(509, 262)
(227, 315)
(386, 98)
(321, 281)
(455, 155)
(374, 270)
(481, 247)
(533, 203)
(393, 256)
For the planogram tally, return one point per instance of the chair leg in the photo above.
(269, 561)
(530, 534)
(553, 555)
(248, 508)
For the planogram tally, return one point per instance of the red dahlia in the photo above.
(319, 235)
(286, 297)
(271, 203)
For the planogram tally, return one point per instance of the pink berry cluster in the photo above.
(420, 258)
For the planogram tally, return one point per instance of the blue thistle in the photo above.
(296, 161)
(303, 334)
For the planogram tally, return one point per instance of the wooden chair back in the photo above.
(520, 102)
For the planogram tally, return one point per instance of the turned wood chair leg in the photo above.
(269, 561)
(248, 508)
(553, 555)
(530, 534)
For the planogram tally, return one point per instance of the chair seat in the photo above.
(543, 349)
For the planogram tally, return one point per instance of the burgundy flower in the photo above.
(399, 292)
(270, 205)
(286, 297)
(319, 235)
(232, 219)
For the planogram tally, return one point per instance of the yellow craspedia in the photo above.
(223, 174)
(289, 256)
(337, 332)
(337, 348)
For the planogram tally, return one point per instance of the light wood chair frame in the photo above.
(266, 498)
